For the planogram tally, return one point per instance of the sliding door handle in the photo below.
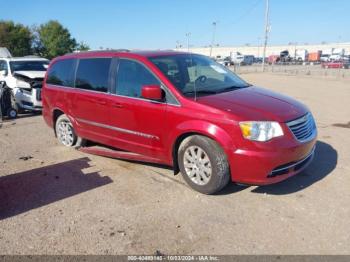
(101, 102)
(97, 101)
(117, 105)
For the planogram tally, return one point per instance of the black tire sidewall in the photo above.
(220, 168)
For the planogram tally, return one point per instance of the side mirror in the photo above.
(152, 92)
(3, 73)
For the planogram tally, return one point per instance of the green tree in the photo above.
(83, 47)
(16, 37)
(54, 40)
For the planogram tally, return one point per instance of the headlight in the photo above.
(23, 84)
(260, 130)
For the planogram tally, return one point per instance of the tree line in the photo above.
(48, 40)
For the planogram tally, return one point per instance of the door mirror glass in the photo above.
(152, 92)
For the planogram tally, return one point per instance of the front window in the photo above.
(28, 65)
(197, 75)
(131, 77)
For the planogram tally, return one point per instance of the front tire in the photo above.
(15, 105)
(11, 113)
(203, 164)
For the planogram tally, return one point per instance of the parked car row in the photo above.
(302, 55)
(299, 56)
(235, 58)
(336, 64)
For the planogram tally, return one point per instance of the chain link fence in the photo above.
(294, 69)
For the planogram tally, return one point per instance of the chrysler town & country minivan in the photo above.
(182, 110)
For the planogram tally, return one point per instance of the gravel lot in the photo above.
(60, 201)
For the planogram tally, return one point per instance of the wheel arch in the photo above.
(208, 130)
(56, 113)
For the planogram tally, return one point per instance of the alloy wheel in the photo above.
(65, 133)
(197, 165)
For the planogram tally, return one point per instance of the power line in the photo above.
(245, 14)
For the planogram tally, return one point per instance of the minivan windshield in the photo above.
(27, 65)
(197, 75)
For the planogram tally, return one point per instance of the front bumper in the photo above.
(271, 166)
(29, 99)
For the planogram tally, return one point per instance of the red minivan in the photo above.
(179, 109)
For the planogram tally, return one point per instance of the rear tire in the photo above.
(203, 164)
(65, 132)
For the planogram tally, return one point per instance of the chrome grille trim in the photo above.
(303, 128)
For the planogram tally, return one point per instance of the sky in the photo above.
(154, 24)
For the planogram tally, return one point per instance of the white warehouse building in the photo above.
(257, 51)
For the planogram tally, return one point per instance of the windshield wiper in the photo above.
(203, 92)
(231, 88)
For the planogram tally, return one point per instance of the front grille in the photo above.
(303, 128)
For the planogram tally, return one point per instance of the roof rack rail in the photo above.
(32, 56)
(102, 51)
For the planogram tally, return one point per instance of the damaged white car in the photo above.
(24, 75)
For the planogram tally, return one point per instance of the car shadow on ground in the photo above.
(5, 119)
(22, 192)
(324, 162)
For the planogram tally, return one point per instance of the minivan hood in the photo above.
(255, 103)
(31, 74)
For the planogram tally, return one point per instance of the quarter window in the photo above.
(131, 77)
(93, 74)
(62, 73)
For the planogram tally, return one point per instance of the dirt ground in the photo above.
(55, 200)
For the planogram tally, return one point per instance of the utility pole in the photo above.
(213, 39)
(188, 34)
(267, 25)
(177, 44)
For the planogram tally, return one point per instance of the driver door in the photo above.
(139, 125)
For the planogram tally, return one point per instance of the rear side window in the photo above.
(93, 74)
(131, 77)
(61, 73)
